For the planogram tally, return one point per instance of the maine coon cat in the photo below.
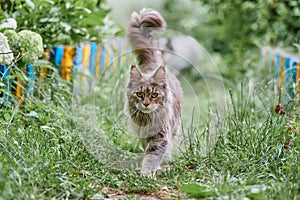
(154, 95)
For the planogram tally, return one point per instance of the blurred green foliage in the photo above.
(58, 21)
(236, 28)
(241, 24)
(237, 24)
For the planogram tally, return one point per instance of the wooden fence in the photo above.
(68, 59)
(286, 69)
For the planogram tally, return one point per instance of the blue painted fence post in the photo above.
(4, 72)
(58, 56)
(277, 65)
(30, 72)
(78, 58)
(102, 57)
(294, 69)
(287, 71)
(93, 58)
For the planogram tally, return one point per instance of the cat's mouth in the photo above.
(146, 110)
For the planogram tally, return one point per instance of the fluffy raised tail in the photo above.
(139, 34)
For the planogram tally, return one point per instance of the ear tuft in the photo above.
(132, 66)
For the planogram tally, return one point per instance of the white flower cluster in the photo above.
(11, 35)
(31, 44)
(6, 56)
(9, 24)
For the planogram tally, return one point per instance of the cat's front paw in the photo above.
(149, 174)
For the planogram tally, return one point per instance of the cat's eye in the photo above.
(154, 95)
(140, 94)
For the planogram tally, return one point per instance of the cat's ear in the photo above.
(160, 75)
(135, 74)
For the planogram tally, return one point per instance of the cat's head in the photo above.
(147, 92)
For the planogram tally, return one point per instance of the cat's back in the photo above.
(175, 87)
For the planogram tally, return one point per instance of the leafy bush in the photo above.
(238, 25)
(242, 24)
(59, 22)
(236, 28)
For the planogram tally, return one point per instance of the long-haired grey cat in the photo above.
(154, 95)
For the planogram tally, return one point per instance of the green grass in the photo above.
(56, 148)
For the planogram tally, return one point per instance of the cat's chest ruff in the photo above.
(148, 130)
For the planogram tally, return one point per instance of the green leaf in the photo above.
(256, 196)
(197, 191)
(51, 2)
(30, 4)
(53, 19)
(68, 5)
(66, 26)
(6, 116)
(87, 10)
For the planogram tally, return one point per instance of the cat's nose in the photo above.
(146, 104)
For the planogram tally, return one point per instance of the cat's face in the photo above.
(146, 93)
(147, 98)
